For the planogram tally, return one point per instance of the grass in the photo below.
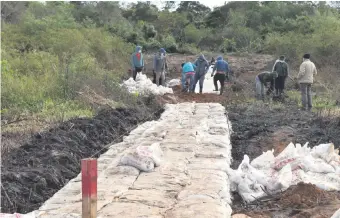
(319, 102)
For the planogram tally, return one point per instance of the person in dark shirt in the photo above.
(261, 80)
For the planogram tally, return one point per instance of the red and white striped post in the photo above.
(89, 187)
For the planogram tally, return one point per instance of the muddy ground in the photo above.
(33, 172)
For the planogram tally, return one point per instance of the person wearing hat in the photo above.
(281, 67)
(222, 69)
(201, 69)
(137, 62)
(159, 67)
(305, 78)
(261, 80)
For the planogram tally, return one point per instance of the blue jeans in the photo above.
(190, 79)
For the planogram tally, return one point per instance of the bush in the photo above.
(169, 43)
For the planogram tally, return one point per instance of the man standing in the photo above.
(202, 68)
(222, 69)
(261, 80)
(281, 67)
(137, 62)
(188, 73)
(159, 67)
(306, 78)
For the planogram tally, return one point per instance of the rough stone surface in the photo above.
(191, 181)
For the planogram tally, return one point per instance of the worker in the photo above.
(159, 67)
(188, 73)
(306, 78)
(281, 67)
(222, 68)
(137, 62)
(202, 68)
(261, 81)
(212, 62)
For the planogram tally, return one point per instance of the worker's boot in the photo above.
(216, 88)
(201, 89)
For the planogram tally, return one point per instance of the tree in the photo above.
(169, 5)
(11, 12)
(196, 12)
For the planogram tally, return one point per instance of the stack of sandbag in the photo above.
(269, 174)
(144, 158)
(144, 86)
(174, 82)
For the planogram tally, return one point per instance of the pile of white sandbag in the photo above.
(144, 158)
(268, 174)
(174, 82)
(145, 86)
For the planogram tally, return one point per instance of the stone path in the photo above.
(191, 181)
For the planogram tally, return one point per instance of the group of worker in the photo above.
(278, 76)
(194, 72)
(159, 65)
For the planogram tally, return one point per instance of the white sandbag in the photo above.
(284, 179)
(154, 152)
(250, 191)
(264, 161)
(316, 165)
(289, 151)
(145, 86)
(142, 163)
(294, 162)
(323, 151)
(174, 82)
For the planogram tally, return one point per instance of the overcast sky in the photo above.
(210, 3)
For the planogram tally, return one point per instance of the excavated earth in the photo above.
(33, 172)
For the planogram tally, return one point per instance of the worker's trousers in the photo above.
(306, 95)
(259, 86)
(200, 78)
(160, 75)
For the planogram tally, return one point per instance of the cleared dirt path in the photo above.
(191, 181)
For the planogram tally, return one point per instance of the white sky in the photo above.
(210, 3)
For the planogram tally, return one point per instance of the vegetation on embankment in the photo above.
(58, 58)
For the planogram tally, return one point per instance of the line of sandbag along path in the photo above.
(184, 175)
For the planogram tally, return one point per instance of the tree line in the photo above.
(80, 45)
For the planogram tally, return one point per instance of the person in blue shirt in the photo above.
(188, 73)
(222, 68)
(137, 62)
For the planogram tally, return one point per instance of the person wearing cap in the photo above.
(137, 62)
(260, 82)
(202, 68)
(281, 67)
(159, 67)
(222, 68)
(305, 78)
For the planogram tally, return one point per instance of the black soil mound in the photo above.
(35, 171)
